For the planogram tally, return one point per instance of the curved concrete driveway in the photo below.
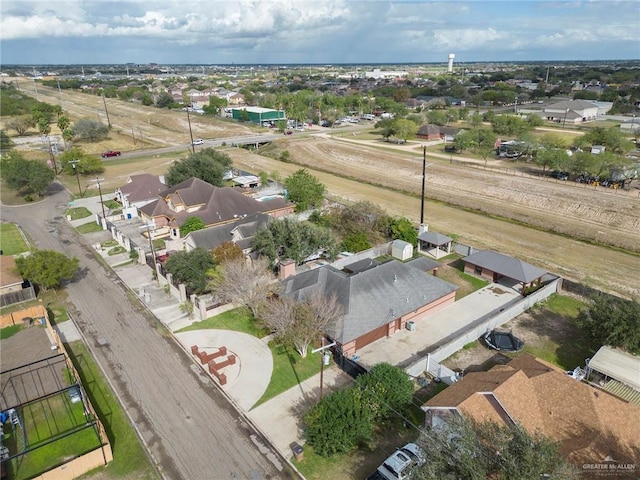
(248, 379)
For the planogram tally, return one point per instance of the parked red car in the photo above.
(111, 153)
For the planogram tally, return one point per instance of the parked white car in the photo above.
(398, 465)
(198, 141)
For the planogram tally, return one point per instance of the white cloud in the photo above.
(331, 30)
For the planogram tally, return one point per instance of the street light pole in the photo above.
(566, 111)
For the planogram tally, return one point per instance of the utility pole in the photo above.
(193, 147)
(106, 111)
(74, 164)
(424, 171)
(52, 157)
(325, 357)
(100, 192)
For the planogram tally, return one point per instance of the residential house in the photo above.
(377, 299)
(213, 205)
(13, 288)
(240, 232)
(10, 281)
(589, 424)
(140, 190)
(436, 132)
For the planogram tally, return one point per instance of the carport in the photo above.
(616, 364)
(494, 266)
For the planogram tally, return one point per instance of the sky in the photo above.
(36, 32)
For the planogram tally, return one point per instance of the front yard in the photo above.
(289, 368)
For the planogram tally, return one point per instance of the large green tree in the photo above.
(207, 164)
(405, 129)
(290, 238)
(90, 130)
(191, 268)
(401, 228)
(613, 321)
(191, 224)
(338, 423)
(476, 451)
(5, 141)
(47, 268)
(26, 176)
(386, 389)
(304, 189)
(84, 163)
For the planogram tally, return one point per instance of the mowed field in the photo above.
(355, 170)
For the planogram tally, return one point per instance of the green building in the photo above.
(259, 114)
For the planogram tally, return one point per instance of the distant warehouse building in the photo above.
(258, 114)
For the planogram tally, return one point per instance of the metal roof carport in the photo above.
(616, 364)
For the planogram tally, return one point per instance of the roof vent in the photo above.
(395, 277)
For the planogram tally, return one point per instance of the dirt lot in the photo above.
(391, 176)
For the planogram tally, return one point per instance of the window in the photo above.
(478, 270)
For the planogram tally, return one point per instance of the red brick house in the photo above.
(378, 299)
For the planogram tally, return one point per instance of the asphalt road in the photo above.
(191, 431)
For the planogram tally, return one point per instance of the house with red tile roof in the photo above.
(589, 424)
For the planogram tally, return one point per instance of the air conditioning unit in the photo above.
(411, 325)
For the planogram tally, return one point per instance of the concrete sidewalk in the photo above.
(280, 418)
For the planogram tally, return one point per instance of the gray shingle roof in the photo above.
(212, 237)
(371, 298)
(434, 238)
(505, 265)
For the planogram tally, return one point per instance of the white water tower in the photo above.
(450, 65)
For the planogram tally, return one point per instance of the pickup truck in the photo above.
(111, 153)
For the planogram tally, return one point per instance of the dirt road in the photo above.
(190, 429)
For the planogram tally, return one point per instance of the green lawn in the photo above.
(7, 332)
(11, 242)
(44, 420)
(129, 458)
(77, 213)
(560, 340)
(89, 227)
(453, 272)
(238, 319)
(289, 369)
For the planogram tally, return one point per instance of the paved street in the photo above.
(190, 429)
